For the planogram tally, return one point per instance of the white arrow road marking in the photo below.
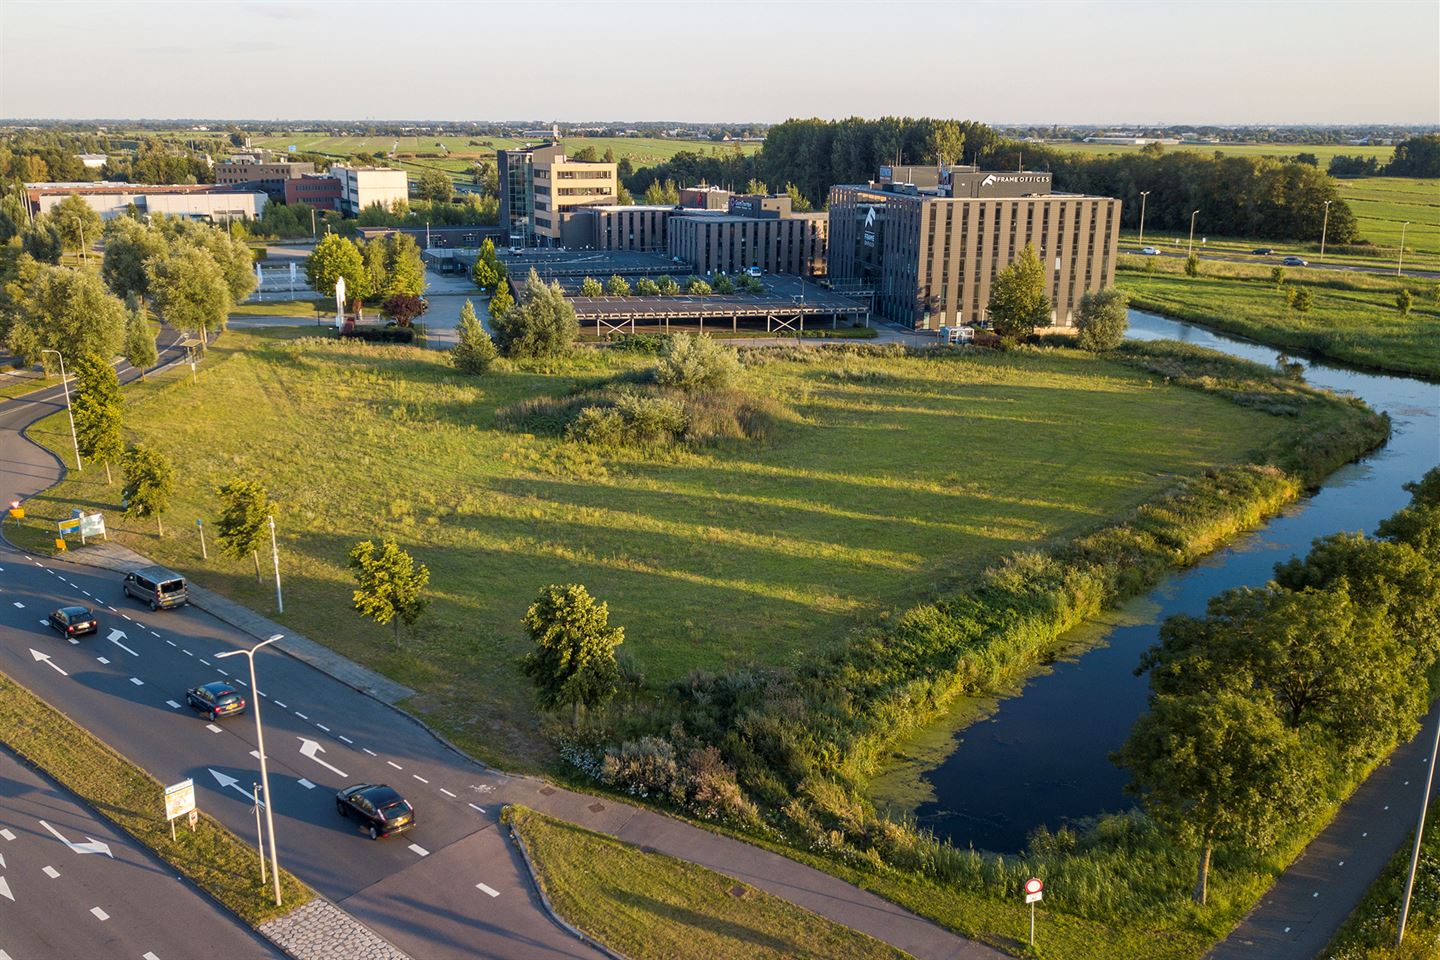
(419, 850)
(486, 889)
(92, 846)
(100, 915)
(232, 783)
(255, 754)
(309, 748)
(5, 892)
(48, 662)
(306, 784)
(121, 635)
(50, 872)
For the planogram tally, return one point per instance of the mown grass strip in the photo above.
(212, 857)
(651, 905)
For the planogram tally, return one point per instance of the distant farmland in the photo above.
(1322, 151)
(454, 151)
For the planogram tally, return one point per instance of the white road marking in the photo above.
(346, 739)
(172, 704)
(137, 681)
(241, 682)
(19, 604)
(171, 642)
(86, 592)
(473, 807)
(111, 609)
(99, 914)
(279, 704)
(369, 751)
(255, 754)
(486, 889)
(213, 729)
(154, 634)
(310, 748)
(1342, 863)
(394, 764)
(1287, 929)
(73, 641)
(204, 661)
(44, 623)
(6, 834)
(301, 715)
(1365, 834)
(51, 663)
(1315, 894)
(149, 955)
(186, 652)
(419, 850)
(102, 660)
(1387, 806)
(262, 693)
(221, 671)
(123, 647)
(50, 872)
(420, 778)
(128, 617)
(323, 727)
(447, 793)
(306, 784)
(5, 892)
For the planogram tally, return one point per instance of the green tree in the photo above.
(696, 287)
(1403, 301)
(1277, 277)
(484, 274)
(724, 285)
(435, 186)
(501, 302)
(757, 187)
(42, 240)
(1018, 303)
(389, 584)
(798, 201)
(590, 287)
(188, 290)
(669, 287)
(97, 406)
(1216, 768)
(78, 223)
(645, 287)
(542, 326)
(335, 257)
(1303, 300)
(474, 351)
(149, 482)
(62, 309)
(945, 143)
(129, 244)
(574, 660)
(245, 511)
(1103, 319)
(404, 267)
(236, 262)
(1192, 265)
(654, 194)
(617, 286)
(138, 346)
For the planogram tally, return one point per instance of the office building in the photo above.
(705, 198)
(632, 227)
(928, 242)
(754, 231)
(542, 189)
(256, 175)
(362, 187)
(191, 201)
(321, 192)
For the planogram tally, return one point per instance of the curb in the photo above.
(519, 842)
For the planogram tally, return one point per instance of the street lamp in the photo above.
(1190, 251)
(260, 743)
(1143, 195)
(1401, 262)
(1323, 227)
(275, 555)
(68, 412)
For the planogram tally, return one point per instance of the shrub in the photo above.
(598, 426)
(651, 420)
(697, 287)
(590, 287)
(1102, 320)
(1192, 266)
(724, 285)
(668, 287)
(617, 286)
(693, 363)
(645, 287)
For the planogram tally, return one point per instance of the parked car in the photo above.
(160, 587)
(753, 271)
(74, 621)
(1263, 251)
(1150, 251)
(215, 700)
(1295, 262)
(379, 808)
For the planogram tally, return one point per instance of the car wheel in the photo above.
(126, 589)
(340, 809)
(154, 606)
(213, 716)
(374, 834)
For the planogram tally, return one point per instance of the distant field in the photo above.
(1323, 151)
(1383, 204)
(642, 151)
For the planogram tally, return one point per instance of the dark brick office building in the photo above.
(928, 241)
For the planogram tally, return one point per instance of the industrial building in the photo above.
(258, 175)
(191, 201)
(362, 187)
(541, 190)
(927, 242)
(755, 231)
(321, 192)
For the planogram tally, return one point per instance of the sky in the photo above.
(1022, 61)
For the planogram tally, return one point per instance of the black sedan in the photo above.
(380, 810)
(215, 700)
(74, 621)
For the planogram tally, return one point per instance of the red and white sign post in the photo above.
(1033, 891)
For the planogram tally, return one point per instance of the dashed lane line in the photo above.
(486, 889)
(420, 778)
(172, 643)
(149, 955)
(50, 872)
(137, 681)
(346, 739)
(301, 715)
(154, 634)
(19, 604)
(6, 834)
(473, 807)
(282, 705)
(394, 764)
(213, 728)
(323, 727)
(172, 704)
(222, 671)
(102, 660)
(186, 652)
(99, 914)
(448, 793)
(419, 850)
(306, 784)
(369, 751)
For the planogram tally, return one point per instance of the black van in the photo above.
(157, 586)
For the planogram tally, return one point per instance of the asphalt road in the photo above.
(1256, 260)
(72, 885)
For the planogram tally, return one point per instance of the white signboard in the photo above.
(179, 799)
(92, 525)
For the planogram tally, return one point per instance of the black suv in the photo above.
(215, 700)
(74, 621)
(380, 810)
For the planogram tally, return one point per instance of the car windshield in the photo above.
(172, 586)
(395, 809)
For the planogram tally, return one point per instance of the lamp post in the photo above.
(275, 555)
(1143, 195)
(1325, 225)
(1401, 262)
(68, 412)
(1190, 251)
(1419, 834)
(260, 744)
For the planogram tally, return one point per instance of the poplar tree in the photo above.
(96, 407)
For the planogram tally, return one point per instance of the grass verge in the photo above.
(1369, 933)
(212, 857)
(650, 905)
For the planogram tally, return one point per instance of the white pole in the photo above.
(1398, 265)
(1323, 227)
(1419, 835)
(259, 831)
(68, 412)
(1143, 195)
(1032, 923)
(264, 770)
(1190, 251)
(275, 555)
(204, 554)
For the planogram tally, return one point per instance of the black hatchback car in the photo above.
(380, 809)
(74, 621)
(215, 700)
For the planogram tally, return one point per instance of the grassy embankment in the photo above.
(1353, 317)
(216, 860)
(1323, 151)
(649, 905)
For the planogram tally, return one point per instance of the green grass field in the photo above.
(904, 475)
(1353, 317)
(650, 905)
(1382, 204)
(1323, 151)
(642, 151)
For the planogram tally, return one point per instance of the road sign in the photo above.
(59, 544)
(92, 525)
(1033, 890)
(179, 799)
(69, 527)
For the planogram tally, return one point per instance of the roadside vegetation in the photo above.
(1351, 317)
(212, 857)
(644, 904)
(1369, 933)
